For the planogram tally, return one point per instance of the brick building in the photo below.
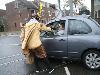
(15, 14)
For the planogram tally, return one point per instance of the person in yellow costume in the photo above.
(31, 44)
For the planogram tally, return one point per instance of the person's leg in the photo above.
(46, 63)
(49, 67)
(41, 53)
(37, 65)
(28, 57)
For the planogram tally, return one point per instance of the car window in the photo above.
(78, 27)
(58, 28)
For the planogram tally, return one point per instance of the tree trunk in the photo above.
(71, 7)
(59, 4)
(92, 8)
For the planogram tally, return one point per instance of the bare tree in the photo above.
(73, 4)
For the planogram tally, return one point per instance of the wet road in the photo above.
(12, 61)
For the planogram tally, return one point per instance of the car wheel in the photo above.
(91, 59)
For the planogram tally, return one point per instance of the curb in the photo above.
(9, 34)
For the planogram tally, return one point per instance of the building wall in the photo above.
(97, 5)
(96, 2)
(97, 10)
(2, 12)
(15, 16)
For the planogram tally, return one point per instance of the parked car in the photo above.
(80, 40)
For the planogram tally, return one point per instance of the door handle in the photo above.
(61, 40)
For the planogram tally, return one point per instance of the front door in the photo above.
(56, 43)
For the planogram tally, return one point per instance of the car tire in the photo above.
(91, 59)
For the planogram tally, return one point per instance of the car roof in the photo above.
(68, 17)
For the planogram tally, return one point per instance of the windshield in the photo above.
(94, 21)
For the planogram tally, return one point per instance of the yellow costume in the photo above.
(30, 36)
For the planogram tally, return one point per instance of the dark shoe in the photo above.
(38, 70)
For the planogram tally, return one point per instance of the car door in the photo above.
(79, 33)
(56, 45)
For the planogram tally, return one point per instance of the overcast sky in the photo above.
(3, 2)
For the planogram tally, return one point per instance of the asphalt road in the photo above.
(12, 61)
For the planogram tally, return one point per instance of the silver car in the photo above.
(80, 40)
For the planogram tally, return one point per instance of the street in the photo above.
(12, 61)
